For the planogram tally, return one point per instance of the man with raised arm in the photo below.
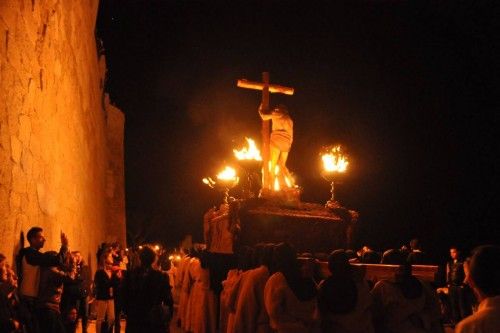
(30, 259)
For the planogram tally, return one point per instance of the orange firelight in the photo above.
(228, 174)
(334, 160)
(285, 181)
(224, 178)
(248, 153)
(335, 164)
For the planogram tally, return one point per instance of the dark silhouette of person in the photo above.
(483, 277)
(147, 296)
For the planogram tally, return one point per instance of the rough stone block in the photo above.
(5, 174)
(27, 162)
(16, 149)
(4, 202)
(24, 129)
(46, 200)
(15, 202)
(19, 180)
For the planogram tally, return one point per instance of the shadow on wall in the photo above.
(17, 246)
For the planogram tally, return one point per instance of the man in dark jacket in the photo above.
(52, 280)
(29, 261)
(457, 289)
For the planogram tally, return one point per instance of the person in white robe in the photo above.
(201, 312)
(228, 286)
(290, 300)
(185, 289)
(250, 312)
(406, 305)
(344, 300)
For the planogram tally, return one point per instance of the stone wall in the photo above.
(115, 181)
(55, 154)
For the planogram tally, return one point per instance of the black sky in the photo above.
(408, 87)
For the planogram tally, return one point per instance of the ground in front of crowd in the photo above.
(91, 328)
(175, 329)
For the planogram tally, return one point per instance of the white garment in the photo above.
(250, 312)
(226, 317)
(287, 314)
(31, 279)
(201, 311)
(105, 310)
(402, 315)
(358, 320)
(185, 290)
(485, 320)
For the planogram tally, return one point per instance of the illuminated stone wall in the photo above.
(115, 175)
(56, 157)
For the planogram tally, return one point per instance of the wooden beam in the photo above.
(376, 272)
(273, 88)
(265, 133)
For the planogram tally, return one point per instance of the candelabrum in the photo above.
(331, 203)
(223, 183)
(335, 164)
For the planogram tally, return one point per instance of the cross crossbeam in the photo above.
(273, 88)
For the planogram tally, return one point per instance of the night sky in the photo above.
(408, 87)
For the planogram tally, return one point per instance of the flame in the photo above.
(335, 161)
(286, 181)
(174, 257)
(250, 153)
(276, 180)
(225, 178)
(209, 181)
(227, 174)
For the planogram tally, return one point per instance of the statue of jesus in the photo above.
(280, 142)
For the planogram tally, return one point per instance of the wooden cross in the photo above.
(266, 89)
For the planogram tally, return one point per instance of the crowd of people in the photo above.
(52, 290)
(267, 288)
(272, 289)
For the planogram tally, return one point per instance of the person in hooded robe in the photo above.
(289, 298)
(231, 286)
(344, 300)
(250, 314)
(202, 310)
(405, 305)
